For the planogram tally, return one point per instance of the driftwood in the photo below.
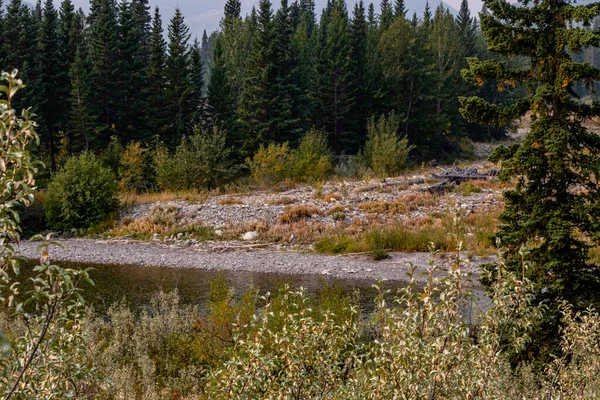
(390, 184)
(223, 249)
(439, 188)
(458, 175)
(455, 176)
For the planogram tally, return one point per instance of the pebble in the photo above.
(250, 236)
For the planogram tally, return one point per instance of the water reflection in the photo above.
(137, 284)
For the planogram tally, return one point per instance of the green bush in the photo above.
(311, 161)
(385, 152)
(270, 164)
(82, 194)
(202, 160)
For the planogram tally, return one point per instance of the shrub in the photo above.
(131, 169)
(202, 160)
(295, 214)
(82, 194)
(270, 164)
(111, 157)
(385, 152)
(311, 161)
(41, 342)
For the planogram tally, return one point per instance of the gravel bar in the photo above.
(157, 254)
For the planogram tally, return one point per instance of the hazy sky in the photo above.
(206, 14)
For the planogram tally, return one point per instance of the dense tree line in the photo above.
(264, 78)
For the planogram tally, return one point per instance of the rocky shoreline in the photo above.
(156, 254)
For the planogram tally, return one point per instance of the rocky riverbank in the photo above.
(127, 252)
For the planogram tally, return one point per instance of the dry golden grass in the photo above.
(382, 207)
(297, 213)
(161, 220)
(336, 209)
(281, 201)
(230, 201)
(329, 197)
(301, 233)
(414, 201)
(413, 235)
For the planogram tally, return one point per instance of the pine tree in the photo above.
(407, 69)
(197, 82)
(141, 20)
(51, 109)
(387, 15)
(157, 116)
(288, 102)
(81, 119)
(15, 36)
(427, 15)
(31, 70)
(307, 15)
(104, 56)
(132, 63)
(467, 27)
(334, 92)
(360, 110)
(67, 17)
(444, 42)
(552, 210)
(399, 9)
(220, 102)
(253, 111)
(177, 72)
(232, 11)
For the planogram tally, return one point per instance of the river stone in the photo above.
(250, 235)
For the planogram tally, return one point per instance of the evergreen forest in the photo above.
(117, 76)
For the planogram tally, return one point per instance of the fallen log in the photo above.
(389, 184)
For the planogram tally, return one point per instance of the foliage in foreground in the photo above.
(430, 342)
(42, 340)
(82, 194)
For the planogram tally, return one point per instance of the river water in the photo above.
(137, 284)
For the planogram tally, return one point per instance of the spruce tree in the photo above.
(197, 82)
(232, 11)
(553, 209)
(387, 15)
(253, 111)
(360, 110)
(407, 69)
(15, 36)
(288, 102)
(177, 72)
(467, 27)
(51, 109)
(399, 9)
(334, 94)
(158, 113)
(220, 102)
(81, 118)
(132, 74)
(141, 20)
(446, 49)
(104, 56)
